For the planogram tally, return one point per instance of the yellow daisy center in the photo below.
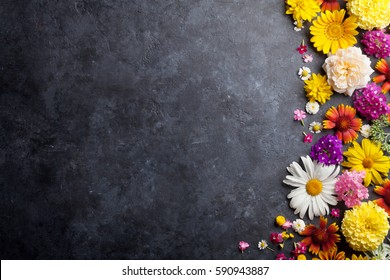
(314, 187)
(316, 127)
(368, 163)
(334, 31)
(305, 73)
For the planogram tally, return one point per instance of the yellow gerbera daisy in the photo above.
(331, 32)
(368, 157)
(318, 89)
(302, 9)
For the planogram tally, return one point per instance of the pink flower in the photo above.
(299, 115)
(276, 237)
(350, 189)
(281, 256)
(302, 48)
(242, 245)
(307, 58)
(299, 248)
(335, 213)
(287, 224)
(308, 138)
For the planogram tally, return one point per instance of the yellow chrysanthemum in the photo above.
(370, 13)
(331, 32)
(357, 258)
(365, 226)
(368, 157)
(318, 89)
(302, 9)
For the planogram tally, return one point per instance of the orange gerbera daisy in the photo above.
(344, 122)
(384, 191)
(321, 238)
(331, 255)
(383, 68)
(329, 5)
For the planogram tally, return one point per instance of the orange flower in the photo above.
(331, 5)
(383, 68)
(384, 191)
(321, 238)
(344, 122)
(331, 255)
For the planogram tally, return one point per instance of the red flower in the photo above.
(383, 68)
(384, 191)
(331, 5)
(302, 49)
(344, 122)
(321, 238)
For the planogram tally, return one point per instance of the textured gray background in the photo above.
(147, 129)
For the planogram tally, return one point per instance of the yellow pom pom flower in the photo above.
(370, 13)
(331, 32)
(365, 227)
(318, 89)
(280, 220)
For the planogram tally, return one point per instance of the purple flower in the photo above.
(377, 43)
(328, 150)
(370, 102)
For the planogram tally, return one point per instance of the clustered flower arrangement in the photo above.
(344, 168)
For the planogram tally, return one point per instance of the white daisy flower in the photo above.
(298, 225)
(312, 107)
(315, 127)
(262, 244)
(298, 27)
(304, 73)
(314, 187)
(365, 130)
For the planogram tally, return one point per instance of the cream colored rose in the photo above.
(347, 70)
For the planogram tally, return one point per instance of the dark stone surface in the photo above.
(146, 129)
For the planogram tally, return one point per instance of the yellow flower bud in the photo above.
(280, 220)
(301, 257)
(291, 235)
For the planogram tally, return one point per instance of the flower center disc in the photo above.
(314, 187)
(386, 197)
(343, 124)
(334, 31)
(320, 236)
(316, 127)
(368, 163)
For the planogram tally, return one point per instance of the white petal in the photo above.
(294, 181)
(309, 166)
(296, 170)
(295, 192)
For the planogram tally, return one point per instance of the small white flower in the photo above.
(312, 107)
(298, 225)
(365, 130)
(304, 73)
(263, 244)
(315, 127)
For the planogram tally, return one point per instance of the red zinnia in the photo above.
(383, 68)
(384, 191)
(344, 122)
(331, 5)
(321, 238)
